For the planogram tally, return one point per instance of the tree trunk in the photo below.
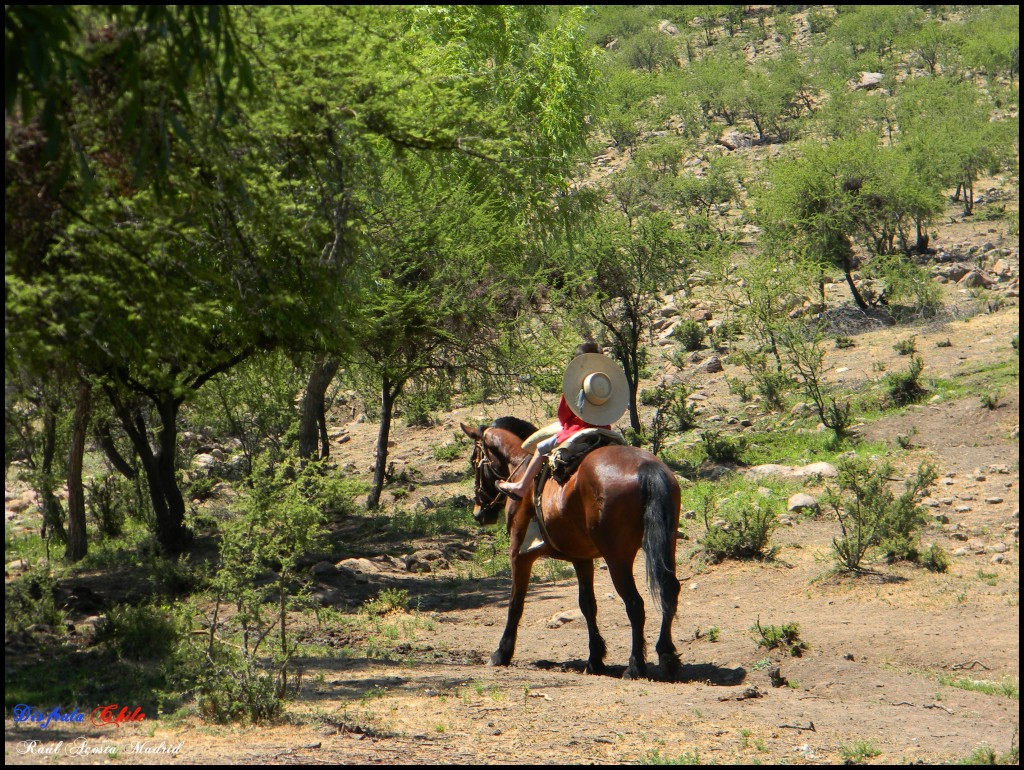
(53, 515)
(388, 395)
(968, 198)
(159, 467)
(77, 544)
(313, 421)
(922, 239)
(106, 442)
(853, 290)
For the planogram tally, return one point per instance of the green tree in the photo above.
(614, 279)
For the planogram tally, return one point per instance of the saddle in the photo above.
(565, 459)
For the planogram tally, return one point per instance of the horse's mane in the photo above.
(521, 428)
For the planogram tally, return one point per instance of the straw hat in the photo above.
(595, 388)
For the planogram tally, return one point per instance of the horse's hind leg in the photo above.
(622, 576)
(588, 605)
(668, 660)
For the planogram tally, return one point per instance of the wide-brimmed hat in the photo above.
(595, 388)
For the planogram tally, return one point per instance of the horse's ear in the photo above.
(472, 431)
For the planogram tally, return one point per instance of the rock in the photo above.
(328, 597)
(712, 365)
(823, 469)
(204, 462)
(668, 28)
(802, 501)
(734, 140)
(18, 565)
(323, 569)
(362, 566)
(869, 81)
(564, 617)
(974, 279)
(993, 500)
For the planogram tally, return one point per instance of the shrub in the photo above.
(785, 637)
(934, 558)
(387, 600)
(740, 528)
(871, 516)
(990, 400)
(722, 449)
(806, 357)
(844, 342)
(740, 388)
(139, 633)
(107, 499)
(905, 387)
(690, 334)
(906, 347)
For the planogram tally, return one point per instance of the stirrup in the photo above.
(533, 541)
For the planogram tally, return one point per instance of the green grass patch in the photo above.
(655, 757)
(858, 751)
(799, 447)
(1006, 688)
(978, 381)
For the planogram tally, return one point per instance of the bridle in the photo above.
(484, 470)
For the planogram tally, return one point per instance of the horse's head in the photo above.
(497, 448)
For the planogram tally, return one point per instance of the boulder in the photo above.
(802, 501)
(869, 81)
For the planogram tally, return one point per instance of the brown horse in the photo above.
(620, 499)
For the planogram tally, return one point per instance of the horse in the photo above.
(619, 500)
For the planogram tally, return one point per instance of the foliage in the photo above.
(806, 356)
(614, 278)
(691, 334)
(722, 449)
(144, 632)
(260, 550)
(905, 388)
(738, 527)
(785, 637)
(673, 413)
(871, 516)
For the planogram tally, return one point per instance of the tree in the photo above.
(614, 281)
(971, 142)
(150, 285)
(434, 298)
(824, 198)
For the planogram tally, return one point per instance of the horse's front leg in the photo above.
(522, 566)
(588, 605)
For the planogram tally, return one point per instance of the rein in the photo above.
(481, 459)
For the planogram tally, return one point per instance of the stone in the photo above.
(712, 365)
(802, 501)
(562, 618)
(323, 569)
(364, 566)
(869, 81)
(974, 279)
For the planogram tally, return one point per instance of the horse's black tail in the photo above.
(659, 541)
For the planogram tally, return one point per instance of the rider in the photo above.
(597, 387)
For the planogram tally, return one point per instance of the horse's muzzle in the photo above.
(488, 516)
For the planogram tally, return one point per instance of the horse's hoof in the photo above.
(669, 667)
(595, 668)
(633, 671)
(497, 659)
